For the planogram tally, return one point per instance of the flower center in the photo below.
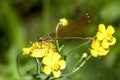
(56, 67)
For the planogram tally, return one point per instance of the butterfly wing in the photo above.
(75, 28)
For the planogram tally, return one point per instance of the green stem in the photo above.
(57, 42)
(81, 64)
(78, 62)
(38, 66)
(77, 67)
(18, 69)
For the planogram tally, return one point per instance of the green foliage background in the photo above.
(25, 20)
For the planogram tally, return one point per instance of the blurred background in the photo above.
(22, 21)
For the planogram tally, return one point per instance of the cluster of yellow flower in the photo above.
(50, 58)
(47, 51)
(104, 38)
(39, 49)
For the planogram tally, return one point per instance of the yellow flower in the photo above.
(99, 48)
(99, 52)
(53, 64)
(64, 22)
(39, 49)
(104, 38)
(104, 33)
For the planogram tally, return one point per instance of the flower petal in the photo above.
(47, 61)
(101, 28)
(27, 50)
(102, 51)
(62, 64)
(56, 74)
(35, 45)
(105, 44)
(112, 41)
(36, 53)
(110, 29)
(47, 70)
(94, 52)
(95, 44)
(100, 36)
(55, 56)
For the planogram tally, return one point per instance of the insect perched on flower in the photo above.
(47, 52)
